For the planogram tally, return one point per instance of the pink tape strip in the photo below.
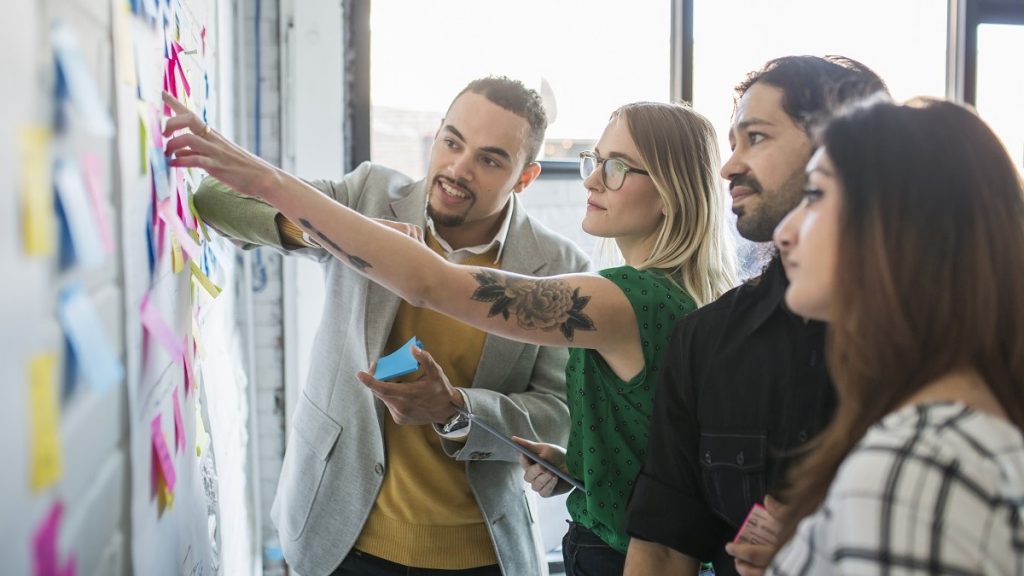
(91, 169)
(168, 215)
(156, 326)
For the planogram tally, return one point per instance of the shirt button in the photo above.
(802, 436)
(707, 456)
(739, 458)
(379, 469)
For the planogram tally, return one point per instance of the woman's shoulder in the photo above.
(651, 283)
(924, 447)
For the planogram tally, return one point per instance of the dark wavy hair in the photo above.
(813, 86)
(929, 273)
(514, 96)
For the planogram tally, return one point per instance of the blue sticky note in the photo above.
(161, 176)
(398, 363)
(93, 353)
(78, 81)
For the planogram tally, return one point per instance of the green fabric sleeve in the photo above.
(249, 221)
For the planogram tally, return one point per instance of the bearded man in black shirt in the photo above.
(745, 384)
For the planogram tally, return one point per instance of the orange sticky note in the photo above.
(38, 221)
(44, 410)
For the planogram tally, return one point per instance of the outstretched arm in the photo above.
(579, 310)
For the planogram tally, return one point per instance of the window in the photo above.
(999, 84)
(588, 56)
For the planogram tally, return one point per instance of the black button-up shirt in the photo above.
(744, 387)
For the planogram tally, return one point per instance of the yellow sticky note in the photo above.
(44, 410)
(143, 151)
(197, 273)
(39, 223)
(177, 258)
(125, 45)
(164, 498)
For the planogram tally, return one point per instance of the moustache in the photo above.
(745, 180)
(460, 183)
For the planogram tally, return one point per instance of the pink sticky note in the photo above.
(190, 378)
(155, 130)
(177, 50)
(168, 215)
(163, 453)
(163, 333)
(179, 424)
(91, 171)
(44, 542)
(69, 568)
(154, 472)
(169, 80)
(184, 211)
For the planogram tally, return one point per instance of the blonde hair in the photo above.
(679, 148)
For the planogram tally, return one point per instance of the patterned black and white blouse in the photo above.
(931, 489)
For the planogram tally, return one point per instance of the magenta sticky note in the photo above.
(179, 424)
(163, 453)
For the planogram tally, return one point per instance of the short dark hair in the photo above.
(514, 96)
(813, 87)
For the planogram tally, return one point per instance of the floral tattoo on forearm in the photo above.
(357, 262)
(542, 304)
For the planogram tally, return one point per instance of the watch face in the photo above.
(457, 423)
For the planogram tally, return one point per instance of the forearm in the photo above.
(645, 558)
(386, 256)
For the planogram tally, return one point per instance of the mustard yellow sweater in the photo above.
(425, 515)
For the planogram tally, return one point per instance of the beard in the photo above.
(757, 223)
(445, 220)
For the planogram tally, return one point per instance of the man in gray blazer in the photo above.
(358, 493)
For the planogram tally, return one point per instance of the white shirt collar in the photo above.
(458, 256)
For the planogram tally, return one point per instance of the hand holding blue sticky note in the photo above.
(398, 363)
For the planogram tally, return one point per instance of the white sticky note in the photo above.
(85, 234)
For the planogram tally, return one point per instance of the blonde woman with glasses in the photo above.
(652, 186)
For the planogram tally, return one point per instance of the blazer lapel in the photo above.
(522, 254)
(382, 304)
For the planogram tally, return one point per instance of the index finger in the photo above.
(174, 103)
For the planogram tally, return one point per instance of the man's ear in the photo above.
(529, 174)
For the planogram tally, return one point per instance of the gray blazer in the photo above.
(334, 461)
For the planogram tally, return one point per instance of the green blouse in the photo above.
(611, 417)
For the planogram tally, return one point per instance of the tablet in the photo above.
(522, 450)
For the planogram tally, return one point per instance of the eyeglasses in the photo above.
(613, 170)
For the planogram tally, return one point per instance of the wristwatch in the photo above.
(458, 422)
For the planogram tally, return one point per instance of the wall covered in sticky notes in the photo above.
(124, 416)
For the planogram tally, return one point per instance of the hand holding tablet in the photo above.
(521, 449)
